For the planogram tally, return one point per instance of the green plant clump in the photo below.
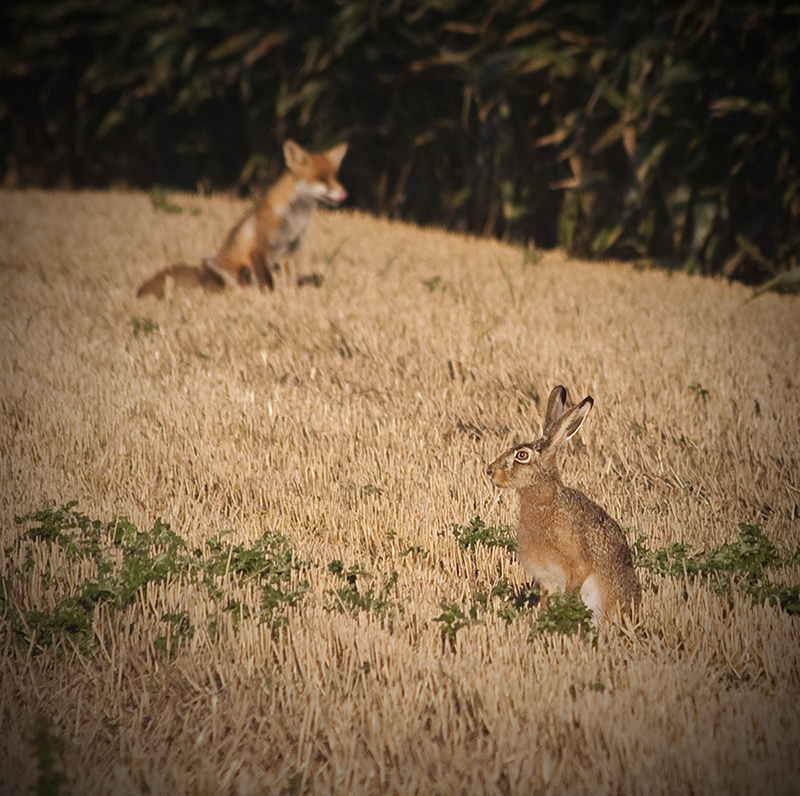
(737, 566)
(47, 746)
(566, 614)
(155, 556)
(453, 618)
(489, 536)
(349, 599)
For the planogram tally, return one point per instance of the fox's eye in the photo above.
(522, 455)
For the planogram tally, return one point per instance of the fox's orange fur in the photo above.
(269, 235)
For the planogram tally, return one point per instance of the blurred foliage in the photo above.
(667, 131)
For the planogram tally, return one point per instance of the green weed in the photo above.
(330, 258)
(161, 201)
(531, 256)
(509, 282)
(144, 326)
(179, 630)
(700, 392)
(489, 536)
(564, 613)
(514, 602)
(295, 783)
(433, 283)
(737, 566)
(415, 551)
(349, 599)
(453, 619)
(154, 556)
(574, 689)
(270, 558)
(46, 745)
(269, 561)
(146, 557)
(785, 282)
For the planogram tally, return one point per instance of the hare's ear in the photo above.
(568, 424)
(555, 407)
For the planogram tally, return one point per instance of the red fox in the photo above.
(269, 235)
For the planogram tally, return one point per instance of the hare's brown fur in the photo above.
(566, 541)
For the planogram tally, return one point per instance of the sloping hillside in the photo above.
(338, 607)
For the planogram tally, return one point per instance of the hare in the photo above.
(566, 541)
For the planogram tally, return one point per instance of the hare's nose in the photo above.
(490, 470)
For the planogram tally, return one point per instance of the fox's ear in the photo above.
(568, 424)
(336, 155)
(295, 154)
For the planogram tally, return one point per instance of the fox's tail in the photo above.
(184, 275)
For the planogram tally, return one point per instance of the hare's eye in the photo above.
(522, 455)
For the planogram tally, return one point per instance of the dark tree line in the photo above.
(666, 130)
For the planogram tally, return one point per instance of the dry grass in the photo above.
(274, 412)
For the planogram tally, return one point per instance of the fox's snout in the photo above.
(333, 194)
(338, 195)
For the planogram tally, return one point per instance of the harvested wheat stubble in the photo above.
(355, 420)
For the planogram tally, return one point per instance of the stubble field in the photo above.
(336, 606)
